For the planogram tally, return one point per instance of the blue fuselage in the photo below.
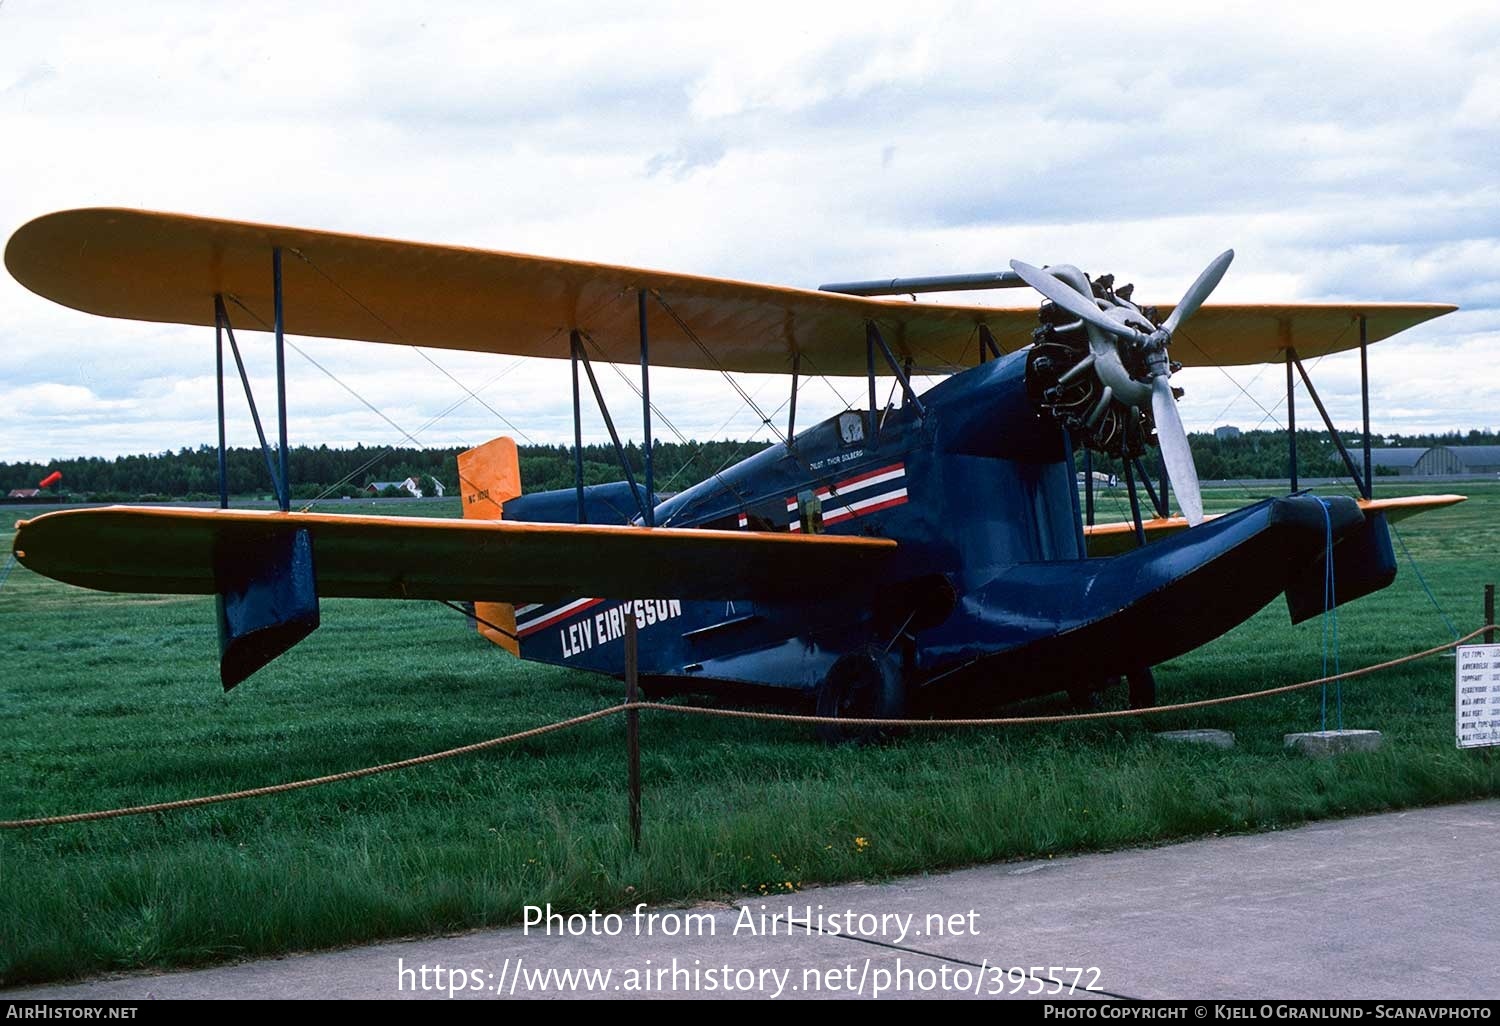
(979, 483)
(989, 578)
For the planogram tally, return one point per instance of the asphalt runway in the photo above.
(1402, 905)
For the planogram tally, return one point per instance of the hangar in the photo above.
(1428, 461)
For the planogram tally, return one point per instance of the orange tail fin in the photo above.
(489, 476)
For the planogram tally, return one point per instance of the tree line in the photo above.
(1263, 454)
(316, 471)
(319, 470)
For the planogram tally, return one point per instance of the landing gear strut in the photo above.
(1089, 697)
(1142, 688)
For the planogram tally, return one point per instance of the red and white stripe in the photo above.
(843, 506)
(536, 623)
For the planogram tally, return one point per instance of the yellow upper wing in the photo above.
(172, 551)
(168, 267)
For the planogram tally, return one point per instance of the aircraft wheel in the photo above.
(1142, 688)
(1087, 697)
(864, 684)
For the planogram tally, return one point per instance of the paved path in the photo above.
(1399, 905)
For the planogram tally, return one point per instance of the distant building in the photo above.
(1440, 459)
(1478, 459)
(24, 493)
(1401, 460)
(1428, 461)
(409, 486)
(1226, 432)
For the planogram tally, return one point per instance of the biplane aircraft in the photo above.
(935, 547)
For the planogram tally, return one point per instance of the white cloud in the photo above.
(1345, 151)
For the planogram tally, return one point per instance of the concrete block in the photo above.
(1320, 744)
(1212, 738)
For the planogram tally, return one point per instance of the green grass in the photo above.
(112, 700)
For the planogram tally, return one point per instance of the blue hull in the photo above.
(988, 592)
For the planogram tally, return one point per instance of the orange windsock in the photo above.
(50, 480)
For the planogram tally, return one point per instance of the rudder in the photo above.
(489, 476)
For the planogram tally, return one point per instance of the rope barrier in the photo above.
(741, 714)
(332, 778)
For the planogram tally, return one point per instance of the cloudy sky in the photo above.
(1344, 151)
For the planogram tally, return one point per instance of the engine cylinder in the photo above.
(1064, 380)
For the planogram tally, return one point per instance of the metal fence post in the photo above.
(632, 727)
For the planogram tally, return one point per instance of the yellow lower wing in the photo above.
(174, 551)
(1113, 539)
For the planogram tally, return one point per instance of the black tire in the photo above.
(1142, 688)
(864, 684)
(1086, 698)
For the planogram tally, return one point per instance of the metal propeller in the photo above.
(1175, 451)
(1124, 321)
(1199, 290)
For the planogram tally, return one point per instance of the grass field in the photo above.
(112, 700)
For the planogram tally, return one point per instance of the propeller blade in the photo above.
(1071, 300)
(1198, 291)
(1175, 451)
